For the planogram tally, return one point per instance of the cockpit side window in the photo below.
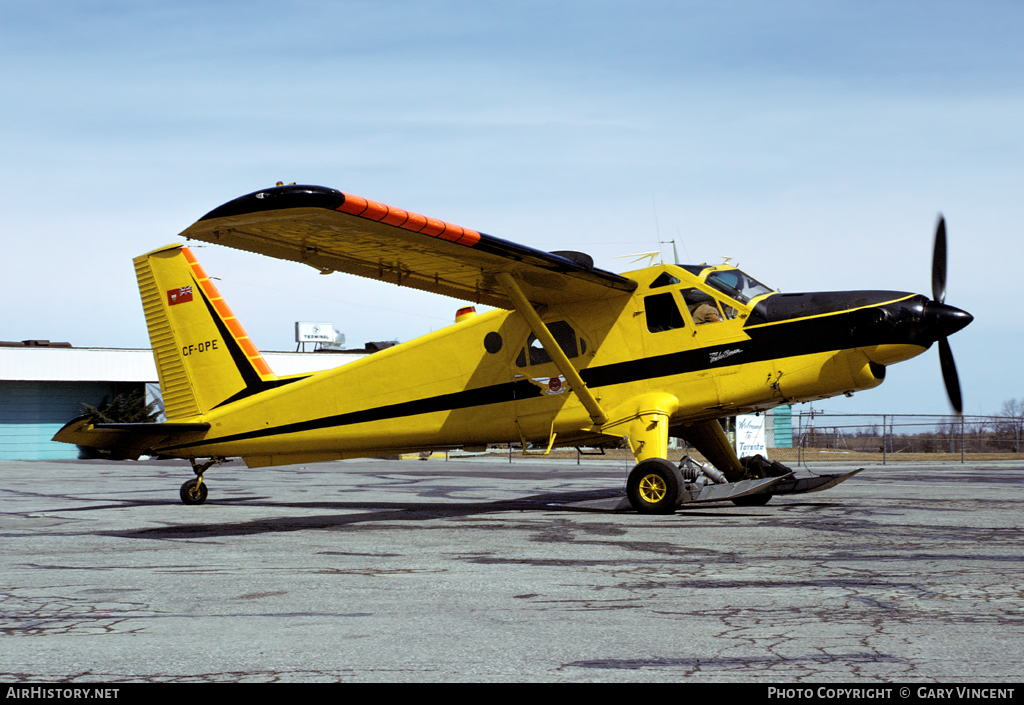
(662, 313)
(704, 308)
(737, 285)
(563, 334)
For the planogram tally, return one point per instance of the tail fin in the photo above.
(203, 356)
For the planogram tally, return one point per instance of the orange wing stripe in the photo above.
(415, 222)
(433, 228)
(353, 204)
(407, 220)
(469, 237)
(452, 233)
(395, 216)
(374, 210)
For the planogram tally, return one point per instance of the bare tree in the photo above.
(1009, 427)
(977, 430)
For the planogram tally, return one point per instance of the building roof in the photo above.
(67, 364)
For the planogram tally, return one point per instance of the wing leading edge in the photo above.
(334, 231)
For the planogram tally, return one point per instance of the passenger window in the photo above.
(703, 307)
(563, 334)
(538, 355)
(662, 313)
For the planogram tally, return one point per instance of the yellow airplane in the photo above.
(572, 356)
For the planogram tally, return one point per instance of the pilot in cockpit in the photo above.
(701, 306)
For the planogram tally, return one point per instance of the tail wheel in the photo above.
(193, 491)
(654, 486)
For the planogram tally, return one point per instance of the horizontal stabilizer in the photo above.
(148, 427)
(128, 440)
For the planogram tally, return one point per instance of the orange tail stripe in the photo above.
(222, 308)
(248, 348)
(262, 368)
(236, 328)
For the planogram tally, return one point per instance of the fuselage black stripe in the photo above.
(773, 341)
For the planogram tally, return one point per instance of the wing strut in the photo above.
(523, 306)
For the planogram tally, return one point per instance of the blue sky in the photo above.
(812, 142)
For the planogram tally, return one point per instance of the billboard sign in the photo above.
(314, 332)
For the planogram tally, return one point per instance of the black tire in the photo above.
(191, 494)
(654, 486)
(752, 500)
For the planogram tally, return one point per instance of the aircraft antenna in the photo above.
(685, 251)
(641, 255)
(675, 252)
(657, 228)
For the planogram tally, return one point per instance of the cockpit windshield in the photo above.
(737, 285)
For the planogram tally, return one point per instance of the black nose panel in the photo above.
(785, 307)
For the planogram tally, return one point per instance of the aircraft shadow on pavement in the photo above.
(368, 512)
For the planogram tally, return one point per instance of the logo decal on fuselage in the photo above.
(717, 356)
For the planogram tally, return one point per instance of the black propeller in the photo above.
(939, 262)
(949, 375)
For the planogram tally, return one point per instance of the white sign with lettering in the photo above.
(750, 436)
(314, 332)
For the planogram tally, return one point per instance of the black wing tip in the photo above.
(279, 198)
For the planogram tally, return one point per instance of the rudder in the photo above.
(203, 356)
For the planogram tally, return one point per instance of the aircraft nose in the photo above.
(943, 321)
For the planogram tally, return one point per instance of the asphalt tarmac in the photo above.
(481, 570)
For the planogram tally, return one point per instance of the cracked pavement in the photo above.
(481, 570)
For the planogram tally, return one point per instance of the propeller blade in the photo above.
(949, 375)
(939, 262)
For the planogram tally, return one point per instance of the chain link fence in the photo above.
(807, 437)
(818, 437)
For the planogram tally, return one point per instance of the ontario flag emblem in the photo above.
(179, 296)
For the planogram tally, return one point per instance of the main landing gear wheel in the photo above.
(193, 491)
(654, 486)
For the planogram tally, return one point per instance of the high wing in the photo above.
(335, 231)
